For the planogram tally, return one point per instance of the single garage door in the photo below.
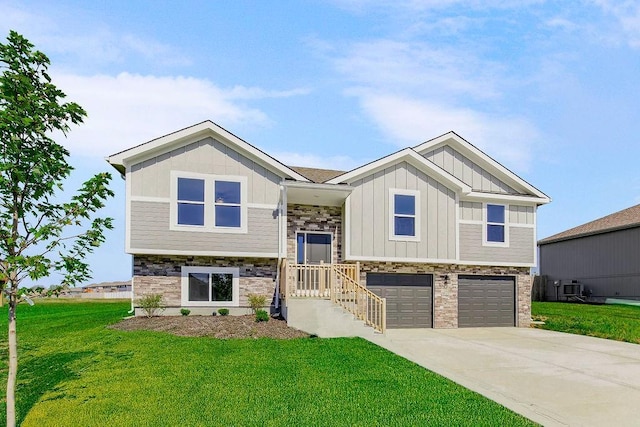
(486, 301)
(409, 298)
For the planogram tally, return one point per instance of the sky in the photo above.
(548, 88)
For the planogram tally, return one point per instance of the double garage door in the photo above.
(482, 300)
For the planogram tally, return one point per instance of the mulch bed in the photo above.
(212, 326)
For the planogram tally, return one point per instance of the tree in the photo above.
(39, 234)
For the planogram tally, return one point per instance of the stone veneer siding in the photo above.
(445, 291)
(314, 218)
(162, 274)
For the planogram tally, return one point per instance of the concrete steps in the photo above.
(323, 318)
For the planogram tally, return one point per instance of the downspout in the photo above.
(133, 308)
(280, 212)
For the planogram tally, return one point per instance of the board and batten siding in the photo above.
(467, 171)
(520, 249)
(369, 212)
(152, 178)
(472, 211)
(150, 230)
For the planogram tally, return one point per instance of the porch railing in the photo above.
(338, 282)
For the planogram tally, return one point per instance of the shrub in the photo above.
(223, 311)
(151, 304)
(185, 311)
(262, 316)
(256, 302)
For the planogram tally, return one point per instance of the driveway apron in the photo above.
(552, 378)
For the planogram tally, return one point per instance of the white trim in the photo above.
(485, 224)
(438, 261)
(346, 229)
(476, 155)
(127, 210)
(411, 157)
(262, 206)
(518, 225)
(457, 223)
(392, 214)
(150, 199)
(330, 233)
(184, 295)
(284, 220)
(195, 133)
(470, 221)
(535, 238)
(226, 254)
(522, 200)
(209, 203)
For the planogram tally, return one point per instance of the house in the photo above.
(597, 260)
(438, 235)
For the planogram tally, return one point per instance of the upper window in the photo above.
(210, 286)
(496, 223)
(208, 203)
(404, 208)
(190, 201)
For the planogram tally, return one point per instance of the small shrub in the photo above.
(223, 311)
(256, 302)
(262, 316)
(185, 311)
(214, 314)
(151, 304)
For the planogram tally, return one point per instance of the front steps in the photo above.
(323, 318)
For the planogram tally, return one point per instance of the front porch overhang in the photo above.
(308, 193)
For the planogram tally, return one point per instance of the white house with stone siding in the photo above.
(437, 235)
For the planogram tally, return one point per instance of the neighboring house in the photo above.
(443, 232)
(599, 259)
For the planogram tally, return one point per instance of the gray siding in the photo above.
(208, 156)
(150, 230)
(607, 264)
(471, 211)
(520, 249)
(467, 171)
(521, 214)
(369, 216)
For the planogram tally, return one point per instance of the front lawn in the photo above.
(74, 371)
(616, 322)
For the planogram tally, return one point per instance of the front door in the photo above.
(313, 248)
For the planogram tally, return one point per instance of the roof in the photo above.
(626, 218)
(317, 175)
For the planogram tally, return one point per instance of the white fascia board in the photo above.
(477, 196)
(480, 157)
(318, 186)
(194, 133)
(411, 157)
(224, 254)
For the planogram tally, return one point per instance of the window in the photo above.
(190, 201)
(496, 223)
(404, 218)
(227, 201)
(208, 202)
(209, 286)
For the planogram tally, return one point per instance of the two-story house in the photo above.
(438, 235)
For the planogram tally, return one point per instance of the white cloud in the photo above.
(128, 109)
(411, 121)
(627, 13)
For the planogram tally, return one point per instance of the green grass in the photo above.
(74, 371)
(615, 322)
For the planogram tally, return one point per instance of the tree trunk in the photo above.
(13, 363)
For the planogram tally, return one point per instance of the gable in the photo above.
(151, 178)
(468, 171)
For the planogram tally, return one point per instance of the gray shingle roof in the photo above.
(317, 175)
(626, 218)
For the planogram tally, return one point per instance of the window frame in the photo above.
(392, 215)
(209, 203)
(486, 223)
(235, 286)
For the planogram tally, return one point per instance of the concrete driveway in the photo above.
(549, 377)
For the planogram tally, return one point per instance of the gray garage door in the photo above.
(409, 298)
(486, 301)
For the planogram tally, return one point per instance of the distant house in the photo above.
(599, 259)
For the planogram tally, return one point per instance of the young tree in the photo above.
(33, 222)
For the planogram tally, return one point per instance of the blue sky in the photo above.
(548, 88)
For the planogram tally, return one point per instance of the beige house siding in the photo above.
(467, 171)
(151, 178)
(520, 249)
(150, 230)
(472, 211)
(369, 214)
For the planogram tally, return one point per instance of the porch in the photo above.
(339, 283)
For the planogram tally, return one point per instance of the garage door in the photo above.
(409, 298)
(486, 301)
